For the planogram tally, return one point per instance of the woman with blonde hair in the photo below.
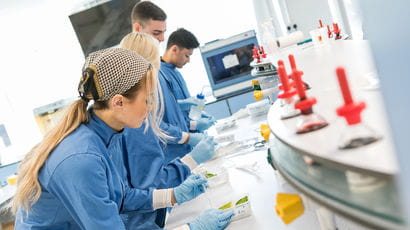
(145, 162)
(70, 180)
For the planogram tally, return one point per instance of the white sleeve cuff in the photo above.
(161, 198)
(183, 227)
(192, 125)
(189, 161)
(184, 137)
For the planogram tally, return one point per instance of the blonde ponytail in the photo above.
(28, 186)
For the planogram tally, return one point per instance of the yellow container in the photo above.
(288, 207)
(11, 180)
(258, 95)
(265, 131)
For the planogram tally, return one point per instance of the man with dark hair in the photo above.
(180, 46)
(149, 18)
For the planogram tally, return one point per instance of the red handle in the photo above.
(283, 76)
(344, 85)
(292, 61)
(297, 77)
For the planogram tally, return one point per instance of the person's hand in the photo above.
(211, 219)
(204, 150)
(192, 187)
(195, 138)
(203, 124)
(185, 104)
(207, 115)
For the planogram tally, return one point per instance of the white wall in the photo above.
(40, 62)
(306, 14)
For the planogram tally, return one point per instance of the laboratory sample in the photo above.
(309, 121)
(196, 110)
(241, 208)
(357, 133)
(287, 95)
(216, 176)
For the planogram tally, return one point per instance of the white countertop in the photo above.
(261, 187)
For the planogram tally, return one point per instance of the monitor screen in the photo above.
(231, 64)
(227, 63)
(102, 24)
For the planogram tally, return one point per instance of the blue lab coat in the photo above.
(176, 81)
(146, 166)
(173, 116)
(81, 186)
(176, 84)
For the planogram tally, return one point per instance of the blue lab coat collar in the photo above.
(169, 65)
(105, 132)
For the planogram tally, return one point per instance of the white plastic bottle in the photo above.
(195, 112)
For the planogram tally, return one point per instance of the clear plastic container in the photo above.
(195, 112)
(241, 207)
(258, 108)
(216, 176)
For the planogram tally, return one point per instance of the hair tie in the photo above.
(84, 98)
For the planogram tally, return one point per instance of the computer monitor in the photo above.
(227, 63)
(101, 24)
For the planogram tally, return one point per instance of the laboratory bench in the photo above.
(251, 174)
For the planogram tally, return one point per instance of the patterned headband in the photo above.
(110, 71)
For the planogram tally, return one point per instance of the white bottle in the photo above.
(196, 110)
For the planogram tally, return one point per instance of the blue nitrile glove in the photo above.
(185, 104)
(207, 115)
(192, 187)
(211, 219)
(203, 124)
(195, 138)
(204, 150)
